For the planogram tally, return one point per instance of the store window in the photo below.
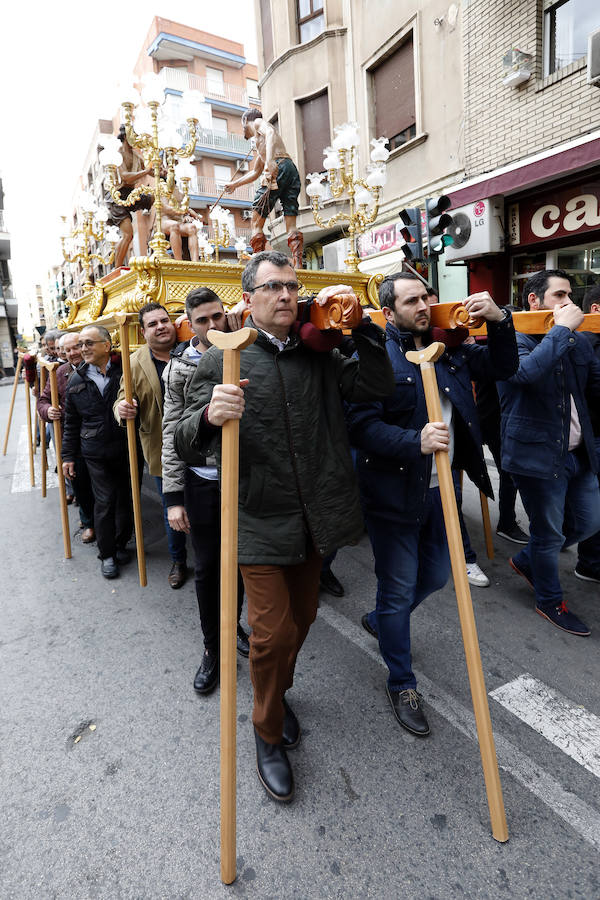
(581, 263)
(311, 19)
(393, 89)
(567, 25)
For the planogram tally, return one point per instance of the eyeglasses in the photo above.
(274, 287)
(87, 344)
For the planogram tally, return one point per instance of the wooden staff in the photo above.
(42, 425)
(29, 432)
(52, 367)
(231, 344)
(12, 401)
(487, 527)
(36, 418)
(425, 358)
(132, 446)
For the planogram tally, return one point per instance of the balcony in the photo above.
(210, 189)
(215, 92)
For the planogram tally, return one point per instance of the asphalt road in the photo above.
(131, 809)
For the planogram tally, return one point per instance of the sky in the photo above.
(60, 66)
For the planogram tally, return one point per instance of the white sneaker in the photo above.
(476, 576)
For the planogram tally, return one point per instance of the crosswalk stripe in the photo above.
(571, 728)
(21, 480)
(582, 818)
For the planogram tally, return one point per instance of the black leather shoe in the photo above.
(274, 770)
(109, 567)
(123, 557)
(243, 647)
(364, 621)
(177, 575)
(207, 675)
(329, 583)
(291, 728)
(407, 709)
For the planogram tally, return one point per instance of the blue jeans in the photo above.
(411, 562)
(562, 511)
(175, 539)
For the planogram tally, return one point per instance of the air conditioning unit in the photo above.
(477, 230)
(593, 60)
(246, 214)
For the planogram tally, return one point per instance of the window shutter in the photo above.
(394, 90)
(315, 131)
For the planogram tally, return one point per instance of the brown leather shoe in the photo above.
(88, 536)
(177, 575)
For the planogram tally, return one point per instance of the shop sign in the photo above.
(574, 210)
(388, 237)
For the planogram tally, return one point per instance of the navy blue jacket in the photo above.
(536, 406)
(393, 473)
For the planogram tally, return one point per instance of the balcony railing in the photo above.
(210, 187)
(206, 138)
(181, 80)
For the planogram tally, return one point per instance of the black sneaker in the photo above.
(109, 567)
(407, 709)
(514, 534)
(330, 584)
(567, 621)
(586, 573)
(207, 675)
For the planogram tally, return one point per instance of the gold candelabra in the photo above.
(76, 245)
(159, 141)
(363, 194)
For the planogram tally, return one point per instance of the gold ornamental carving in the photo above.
(96, 303)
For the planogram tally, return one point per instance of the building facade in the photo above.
(532, 141)
(8, 303)
(326, 62)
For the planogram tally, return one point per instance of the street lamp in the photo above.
(77, 244)
(363, 194)
(160, 141)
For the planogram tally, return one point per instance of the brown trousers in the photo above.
(282, 605)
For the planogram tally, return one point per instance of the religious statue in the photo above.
(280, 181)
(131, 173)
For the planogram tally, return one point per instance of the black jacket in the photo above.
(393, 473)
(91, 430)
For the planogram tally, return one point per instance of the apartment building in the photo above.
(8, 302)
(396, 69)
(531, 143)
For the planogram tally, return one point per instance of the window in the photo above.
(252, 88)
(219, 125)
(267, 31)
(311, 20)
(214, 81)
(567, 24)
(393, 88)
(222, 176)
(316, 134)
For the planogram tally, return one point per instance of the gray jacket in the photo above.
(176, 376)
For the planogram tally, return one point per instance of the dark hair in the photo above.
(431, 292)
(198, 296)
(387, 290)
(591, 296)
(149, 307)
(102, 331)
(271, 256)
(250, 115)
(122, 135)
(538, 284)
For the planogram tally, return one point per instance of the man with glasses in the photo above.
(92, 432)
(80, 485)
(297, 489)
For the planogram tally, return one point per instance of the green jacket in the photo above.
(297, 480)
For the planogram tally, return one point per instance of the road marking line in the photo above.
(573, 729)
(21, 481)
(583, 819)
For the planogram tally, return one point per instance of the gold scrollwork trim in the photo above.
(97, 302)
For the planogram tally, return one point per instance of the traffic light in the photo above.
(436, 220)
(413, 248)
